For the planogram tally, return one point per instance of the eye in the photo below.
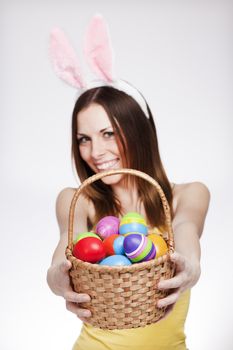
(108, 134)
(83, 139)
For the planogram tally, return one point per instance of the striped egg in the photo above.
(133, 214)
(138, 247)
(133, 223)
(107, 226)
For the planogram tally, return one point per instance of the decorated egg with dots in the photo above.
(138, 247)
(90, 249)
(84, 235)
(133, 223)
(107, 226)
(159, 243)
(116, 260)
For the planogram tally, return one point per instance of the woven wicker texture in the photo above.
(121, 296)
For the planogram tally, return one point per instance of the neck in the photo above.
(128, 197)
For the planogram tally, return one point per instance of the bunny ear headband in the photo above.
(99, 56)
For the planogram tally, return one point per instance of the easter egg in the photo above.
(90, 249)
(84, 235)
(118, 245)
(159, 243)
(108, 244)
(133, 222)
(107, 226)
(133, 214)
(138, 247)
(133, 227)
(132, 217)
(116, 260)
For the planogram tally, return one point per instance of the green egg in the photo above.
(132, 217)
(84, 235)
(133, 214)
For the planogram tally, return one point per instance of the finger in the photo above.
(72, 307)
(171, 283)
(76, 297)
(169, 300)
(65, 266)
(179, 260)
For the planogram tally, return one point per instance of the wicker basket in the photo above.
(121, 296)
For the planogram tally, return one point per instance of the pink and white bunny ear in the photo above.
(98, 50)
(64, 59)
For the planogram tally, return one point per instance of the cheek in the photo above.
(122, 155)
(117, 148)
(120, 149)
(84, 153)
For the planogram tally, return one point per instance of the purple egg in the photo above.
(138, 247)
(151, 254)
(107, 226)
(134, 242)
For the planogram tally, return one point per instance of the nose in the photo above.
(98, 148)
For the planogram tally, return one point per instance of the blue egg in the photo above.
(133, 227)
(118, 245)
(116, 260)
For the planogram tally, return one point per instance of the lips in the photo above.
(106, 165)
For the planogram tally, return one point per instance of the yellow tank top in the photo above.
(167, 334)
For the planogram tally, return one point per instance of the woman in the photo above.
(110, 130)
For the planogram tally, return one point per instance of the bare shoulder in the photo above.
(189, 190)
(83, 208)
(191, 202)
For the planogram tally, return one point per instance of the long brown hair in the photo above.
(136, 134)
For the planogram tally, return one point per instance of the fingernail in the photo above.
(86, 298)
(160, 304)
(83, 299)
(86, 314)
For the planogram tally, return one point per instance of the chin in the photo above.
(112, 179)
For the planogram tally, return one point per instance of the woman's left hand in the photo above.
(187, 273)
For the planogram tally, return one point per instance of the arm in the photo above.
(188, 224)
(58, 274)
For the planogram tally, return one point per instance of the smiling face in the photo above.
(97, 142)
(97, 113)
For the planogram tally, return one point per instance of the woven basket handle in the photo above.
(138, 173)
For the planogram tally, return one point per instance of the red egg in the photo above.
(108, 244)
(89, 249)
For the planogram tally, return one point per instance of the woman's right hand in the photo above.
(59, 282)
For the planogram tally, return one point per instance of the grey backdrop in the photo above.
(179, 54)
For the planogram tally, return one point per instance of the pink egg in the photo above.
(107, 226)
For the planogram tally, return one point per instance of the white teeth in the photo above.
(107, 165)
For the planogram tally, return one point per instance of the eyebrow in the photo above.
(102, 130)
